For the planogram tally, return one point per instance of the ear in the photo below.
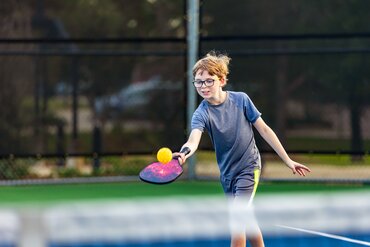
(223, 81)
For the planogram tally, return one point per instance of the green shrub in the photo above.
(13, 168)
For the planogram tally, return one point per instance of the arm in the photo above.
(270, 137)
(192, 143)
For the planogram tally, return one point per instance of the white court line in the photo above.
(328, 235)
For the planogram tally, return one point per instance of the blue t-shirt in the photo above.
(229, 126)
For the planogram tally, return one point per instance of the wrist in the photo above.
(289, 162)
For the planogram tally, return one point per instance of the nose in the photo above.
(203, 84)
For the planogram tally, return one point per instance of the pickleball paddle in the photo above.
(159, 173)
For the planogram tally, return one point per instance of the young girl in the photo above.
(228, 118)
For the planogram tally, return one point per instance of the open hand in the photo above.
(298, 168)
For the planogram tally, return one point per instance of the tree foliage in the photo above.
(321, 79)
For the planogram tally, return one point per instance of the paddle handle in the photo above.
(184, 150)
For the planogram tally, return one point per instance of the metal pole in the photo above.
(192, 56)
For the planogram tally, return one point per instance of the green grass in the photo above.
(45, 194)
(72, 192)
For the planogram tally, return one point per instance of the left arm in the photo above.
(270, 137)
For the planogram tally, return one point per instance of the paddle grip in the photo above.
(185, 150)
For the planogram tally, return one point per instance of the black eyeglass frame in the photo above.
(207, 83)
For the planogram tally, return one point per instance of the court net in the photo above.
(328, 219)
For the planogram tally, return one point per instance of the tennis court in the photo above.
(139, 214)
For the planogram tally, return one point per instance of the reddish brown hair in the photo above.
(215, 64)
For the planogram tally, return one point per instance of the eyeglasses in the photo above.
(207, 83)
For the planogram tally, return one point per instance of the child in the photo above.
(228, 118)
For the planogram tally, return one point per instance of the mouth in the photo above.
(205, 92)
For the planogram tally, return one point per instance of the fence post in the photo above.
(192, 56)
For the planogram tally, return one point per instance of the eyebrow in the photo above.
(204, 79)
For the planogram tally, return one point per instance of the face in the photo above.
(209, 92)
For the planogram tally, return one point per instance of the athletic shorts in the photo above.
(241, 191)
(243, 185)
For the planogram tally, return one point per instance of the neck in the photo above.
(219, 99)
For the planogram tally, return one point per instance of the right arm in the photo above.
(192, 143)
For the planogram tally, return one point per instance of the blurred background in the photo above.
(91, 89)
(85, 80)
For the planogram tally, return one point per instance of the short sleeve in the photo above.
(199, 119)
(250, 110)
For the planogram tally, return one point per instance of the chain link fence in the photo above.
(113, 85)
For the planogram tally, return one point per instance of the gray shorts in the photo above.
(242, 185)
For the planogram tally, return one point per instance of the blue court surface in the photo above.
(327, 219)
(301, 240)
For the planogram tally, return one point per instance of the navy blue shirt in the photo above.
(229, 126)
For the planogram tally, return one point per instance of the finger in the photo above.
(307, 169)
(182, 158)
(304, 168)
(181, 161)
(300, 171)
(178, 156)
(296, 171)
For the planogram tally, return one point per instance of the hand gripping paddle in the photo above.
(159, 173)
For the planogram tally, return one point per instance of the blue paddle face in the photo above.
(158, 173)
